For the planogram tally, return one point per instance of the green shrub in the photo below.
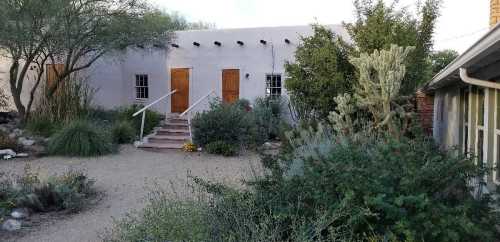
(268, 117)
(152, 118)
(81, 138)
(70, 191)
(163, 219)
(222, 148)
(41, 126)
(227, 123)
(405, 190)
(122, 132)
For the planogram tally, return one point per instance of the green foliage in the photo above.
(227, 123)
(440, 59)
(69, 191)
(378, 26)
(41, 126)
(163, 219)
(222, 148)
(268, 115)
(152, 118)
(321, 71)
(81, 138)
(122, 133)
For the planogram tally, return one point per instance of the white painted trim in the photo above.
(496, 154)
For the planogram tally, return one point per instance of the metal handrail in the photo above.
(191, 108)
(196, 103)
(143, 111)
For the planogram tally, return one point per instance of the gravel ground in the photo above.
(124, 179)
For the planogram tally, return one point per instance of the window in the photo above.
(273, 85)
(141, 87)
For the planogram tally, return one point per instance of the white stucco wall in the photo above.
(115, 78)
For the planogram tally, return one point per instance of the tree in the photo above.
(75, 33)
(321, 71)
(440, 59)
(379, 25)
(380, 81)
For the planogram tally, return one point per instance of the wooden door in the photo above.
(230, 85)
(52, 74)
(179, 78)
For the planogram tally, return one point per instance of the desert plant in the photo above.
(72, 101)
(227, 123)
(81, 138)
(221, 148)
(122, 132)
(380, 78)
(163, 219)
(42, 126)
(69, 191)
(268, 115)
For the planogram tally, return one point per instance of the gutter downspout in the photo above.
(477, 82)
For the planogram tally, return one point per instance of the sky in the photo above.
(462, 22)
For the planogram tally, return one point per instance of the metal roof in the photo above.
(482, 60)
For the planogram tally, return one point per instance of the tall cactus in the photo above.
(380, 77)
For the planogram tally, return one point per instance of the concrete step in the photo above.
(168, 139)
(161, 146)
(176, 121)
(176, 126)
(173, 132)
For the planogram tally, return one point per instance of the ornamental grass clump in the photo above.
(123, 132)
(81, 138)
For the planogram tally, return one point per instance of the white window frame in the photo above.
(271, 87)
(145, 87)
(481, 127)
(496, 159)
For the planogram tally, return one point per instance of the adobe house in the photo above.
(467, 100)
(229, 63)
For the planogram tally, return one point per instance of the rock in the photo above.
(7, 152)
(25, 141)
(267, 145)
(19, 213)
(137, 144)
(11, 225)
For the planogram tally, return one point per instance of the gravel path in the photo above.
(124, 178)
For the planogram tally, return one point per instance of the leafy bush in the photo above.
(227, 123)
(152, 118)
(405, 190)
(221, 148)
(268, 117)
(163, 219)
(80, 138)
(69, 191)
(122, 132)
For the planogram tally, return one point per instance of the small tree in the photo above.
(380, 78)
(379, 25)
(440, 59)
(75, 33)
(321, 71)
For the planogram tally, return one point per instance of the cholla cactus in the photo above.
(341, 119)
(380, 76)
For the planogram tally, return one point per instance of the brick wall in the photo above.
(425, 111)
(494, 12)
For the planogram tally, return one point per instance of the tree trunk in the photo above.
(16, 92)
